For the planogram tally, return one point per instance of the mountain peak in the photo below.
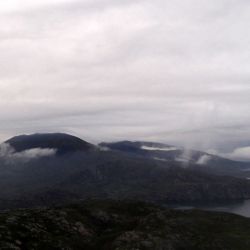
(63, 143)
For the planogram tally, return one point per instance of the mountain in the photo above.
(112, 225)
(63, 143)
(145, 149)
(82, 170)
(189, 158)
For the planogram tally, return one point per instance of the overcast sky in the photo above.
(175, 71)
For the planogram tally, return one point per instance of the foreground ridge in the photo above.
(121, 226)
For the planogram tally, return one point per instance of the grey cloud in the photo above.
(171, 71)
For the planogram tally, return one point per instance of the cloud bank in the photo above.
(9, 154)
(242, 154)
(171, 71)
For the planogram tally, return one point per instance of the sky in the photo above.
(175, 71)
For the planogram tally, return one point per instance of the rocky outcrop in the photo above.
(114, 225)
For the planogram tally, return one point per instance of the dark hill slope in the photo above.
(62, 179)
(110, 225)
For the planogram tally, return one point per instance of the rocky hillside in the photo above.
(113, 225)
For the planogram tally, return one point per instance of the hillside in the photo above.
(113, 225)
(99, 173)
(56, 180)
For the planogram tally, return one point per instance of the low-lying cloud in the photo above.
(35, 153)
(203, 160)
(8, 153)
(242, 154)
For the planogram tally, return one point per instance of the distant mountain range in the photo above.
(45, 169)
(188, 158)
